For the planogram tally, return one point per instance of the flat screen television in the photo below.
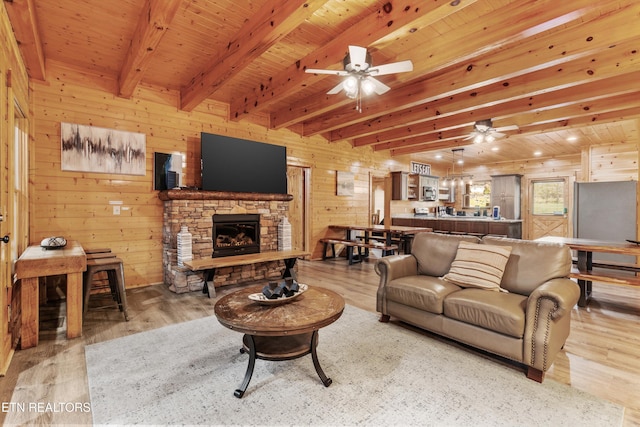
(238, 165)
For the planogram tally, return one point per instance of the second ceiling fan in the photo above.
(359, 72)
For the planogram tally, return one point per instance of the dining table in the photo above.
(386, 232)
(607, 271)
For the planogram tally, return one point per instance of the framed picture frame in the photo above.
(95, 149)
(344, 183)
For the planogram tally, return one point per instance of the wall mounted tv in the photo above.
(238, 165)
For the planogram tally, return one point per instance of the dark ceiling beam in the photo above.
(394, 17)
(22, 14)
(509, 26)
(274, 20)
(153, 24)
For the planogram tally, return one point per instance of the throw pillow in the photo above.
(479, 266)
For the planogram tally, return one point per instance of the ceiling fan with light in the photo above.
(359, 72)
(483, 131)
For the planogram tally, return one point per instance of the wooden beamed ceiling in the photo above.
(544, 69)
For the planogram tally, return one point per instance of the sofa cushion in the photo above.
(497, 311)
(532, 263)
(435, 252)
(478, 266)
(422, 292)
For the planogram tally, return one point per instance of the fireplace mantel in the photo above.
(219, 195)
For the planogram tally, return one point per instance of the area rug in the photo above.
(383, 374)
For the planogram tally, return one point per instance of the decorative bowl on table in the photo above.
(261, 298)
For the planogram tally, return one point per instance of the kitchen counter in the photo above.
(463, 224)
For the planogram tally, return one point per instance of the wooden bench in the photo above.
(209, 265)
(351, 244)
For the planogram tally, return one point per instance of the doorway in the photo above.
(377, 199)
(547, 208)
(298, 185)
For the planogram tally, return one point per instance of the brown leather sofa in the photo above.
(529, 324)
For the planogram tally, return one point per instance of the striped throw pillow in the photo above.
(479, 266)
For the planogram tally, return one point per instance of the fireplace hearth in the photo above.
(235, 234)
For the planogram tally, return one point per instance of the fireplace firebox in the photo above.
(235, 234)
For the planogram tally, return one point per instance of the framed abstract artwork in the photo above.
(344, 183)
(94, 149)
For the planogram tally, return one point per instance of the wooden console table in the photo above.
(36, 262)
(209, 265)
(584, 272)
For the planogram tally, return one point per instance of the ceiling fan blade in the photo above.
(508, 128)
(394, 67)
(497, 134)
(358, 58)
(336, 89)
(333, 72)
(378, 86)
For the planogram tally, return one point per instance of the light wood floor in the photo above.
(601, 355)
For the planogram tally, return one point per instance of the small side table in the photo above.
(36, 262)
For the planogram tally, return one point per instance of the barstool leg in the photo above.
(123, 293)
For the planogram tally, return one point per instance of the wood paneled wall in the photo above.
(14, 94)
(76, 204)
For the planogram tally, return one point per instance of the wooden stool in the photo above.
(115, 273)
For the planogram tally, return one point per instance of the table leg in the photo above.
(585, 263)
(250, 343)
(74, 305)
(289, 263)
(316, 363)
(208, 277)
(30, 308)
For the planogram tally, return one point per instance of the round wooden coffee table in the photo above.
(279, 332)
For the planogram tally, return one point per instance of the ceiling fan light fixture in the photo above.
(489, 138)
(478, 139)
(367, 87)
(350, 85)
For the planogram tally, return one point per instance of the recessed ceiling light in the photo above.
(494, 148)
(572, 138)
(438, 156)
(537, 153)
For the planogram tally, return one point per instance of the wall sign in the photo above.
(420, 168)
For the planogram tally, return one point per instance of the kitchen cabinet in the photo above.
(408, 186)
(405, 186)
(505, 192)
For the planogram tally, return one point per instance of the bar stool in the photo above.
(115, 274)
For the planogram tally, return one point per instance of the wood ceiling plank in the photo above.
(569, 44)
(604, 96)
(590, 68)
(630, 113)
(262, 30)
(395, 16)
(495, 31)
(153, 24)
(22, 14)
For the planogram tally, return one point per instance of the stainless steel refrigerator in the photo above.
(606, 211)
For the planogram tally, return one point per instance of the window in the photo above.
(548, 197)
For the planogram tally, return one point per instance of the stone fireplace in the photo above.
(196, 210)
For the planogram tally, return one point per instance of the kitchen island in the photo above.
(463, 224)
